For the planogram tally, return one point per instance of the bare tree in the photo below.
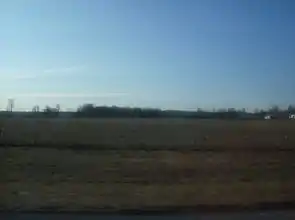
(291, 109)
(36, 108)
(274, 109)
(57, 108)
(10, 105)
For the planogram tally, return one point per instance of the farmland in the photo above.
(83, 164)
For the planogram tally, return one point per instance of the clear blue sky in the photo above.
(157, 53)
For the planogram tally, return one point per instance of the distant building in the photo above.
(268, 117)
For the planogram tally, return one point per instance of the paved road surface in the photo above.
(278, 215)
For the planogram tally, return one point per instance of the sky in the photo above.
(169, 54)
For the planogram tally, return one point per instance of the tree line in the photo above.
(92, 111)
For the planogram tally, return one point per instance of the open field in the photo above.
(129, 176)
(148, 133)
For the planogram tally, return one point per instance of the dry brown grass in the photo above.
(148, 132)
(32, 178)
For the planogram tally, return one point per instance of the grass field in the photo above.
(144, 163)
(138, 133)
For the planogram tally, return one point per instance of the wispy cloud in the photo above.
(64, 70)
(22, 76)
(72, 95)
(51, 72)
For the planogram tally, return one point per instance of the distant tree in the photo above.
(291, 109)
(36, 108)
(221, 110)
(262, 112)
(47, 109)
(57, 108)
(257, 111)
(10, 105)
(85, 108)
(231, 110)
(50, 112)
(274, 109)
(232, 113)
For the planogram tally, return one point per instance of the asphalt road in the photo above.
(276, 215)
